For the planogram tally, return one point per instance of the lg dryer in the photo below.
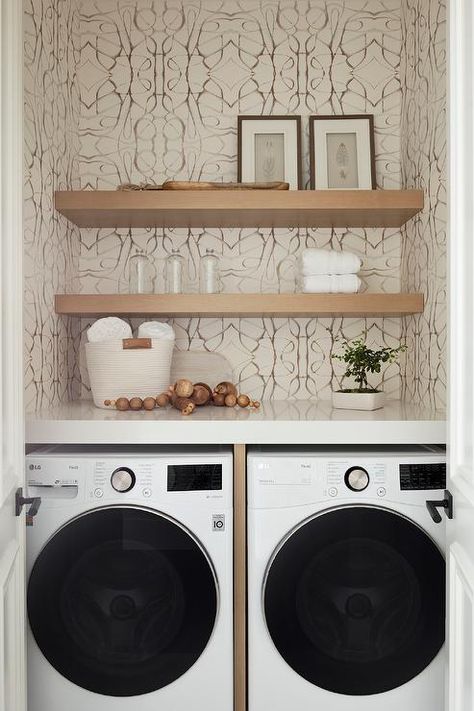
(346, 580)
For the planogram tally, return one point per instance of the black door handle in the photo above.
(20, 501)
(446, 504)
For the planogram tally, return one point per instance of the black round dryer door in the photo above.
(354, 600)
(122, 601)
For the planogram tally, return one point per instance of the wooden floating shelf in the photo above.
(240, 208)
(239, 305)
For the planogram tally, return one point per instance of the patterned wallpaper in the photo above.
(161, 85)
(162, 81)
(144, 90)
(423, 151)
(51, 243)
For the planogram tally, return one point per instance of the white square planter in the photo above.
(358, 401)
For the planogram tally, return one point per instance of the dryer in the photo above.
(130, 580)
(346, 582)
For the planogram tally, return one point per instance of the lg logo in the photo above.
(218, 522)
(34, 467)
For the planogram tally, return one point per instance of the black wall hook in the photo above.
(446, 504)
(20, 501)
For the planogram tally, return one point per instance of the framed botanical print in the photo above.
(269, 150)
(342, 152)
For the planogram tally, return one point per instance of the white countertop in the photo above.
(276, 422)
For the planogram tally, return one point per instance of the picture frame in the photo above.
(269, 149)
(342, 152)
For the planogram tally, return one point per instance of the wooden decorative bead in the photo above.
(225, 388)
(218, 400)
(183, 388)
(163, 400)
(201, 394)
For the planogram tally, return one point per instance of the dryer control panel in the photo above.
(421, 477)
(346, 476)
(278, 479)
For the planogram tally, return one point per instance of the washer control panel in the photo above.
(356, 479)
(123, 479)
(145, 479)
(112, 479)
(159, 477)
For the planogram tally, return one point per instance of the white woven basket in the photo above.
(115, 371)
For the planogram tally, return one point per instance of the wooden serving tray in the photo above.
(194, 185)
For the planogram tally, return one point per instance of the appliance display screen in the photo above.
(195, 477)
(422, 476)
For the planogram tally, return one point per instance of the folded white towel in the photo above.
(328, 261)
(156, 329)
(332, 284)
(109, 329)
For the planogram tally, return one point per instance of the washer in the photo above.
(130, 580)
(346, 580)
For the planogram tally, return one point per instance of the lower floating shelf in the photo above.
(298, 422)
(239, 305)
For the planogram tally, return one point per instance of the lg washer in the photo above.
(130, 580)
(346, 579)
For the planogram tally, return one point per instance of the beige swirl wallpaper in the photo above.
(52, 244)
(151, 91)
(423, 151)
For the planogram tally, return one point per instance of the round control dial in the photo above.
(356, 479)
(122, 479)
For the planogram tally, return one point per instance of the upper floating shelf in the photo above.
(240, 208)
(239, 305)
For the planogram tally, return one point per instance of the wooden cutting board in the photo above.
(200, 367)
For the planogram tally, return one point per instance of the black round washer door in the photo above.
(122, 601)
(354, 600)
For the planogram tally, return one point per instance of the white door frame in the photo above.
(12, 533)
(461, 356)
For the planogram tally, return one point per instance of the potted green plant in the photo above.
(360, 361)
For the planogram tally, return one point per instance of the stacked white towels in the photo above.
(328, 261)
(331, 284)
(108, 329)
(156, 329)
(325, 271)
(116, 329)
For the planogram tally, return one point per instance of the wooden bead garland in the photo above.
(187, 397)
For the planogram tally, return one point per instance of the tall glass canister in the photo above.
(141, 273)
(175, 273)
(209, 273)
